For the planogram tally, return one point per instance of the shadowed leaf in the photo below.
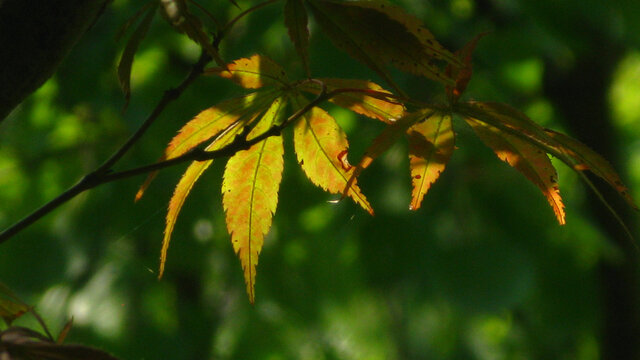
(250, 197)
(530, 160)
(295, 18)
(126, 61)
(321, 147)
(377, 34)
(462, 74)
(586, 159)
(11, 307)
(431, 143)
(21, 343)
(370, 102)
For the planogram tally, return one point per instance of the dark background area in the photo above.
(481, 271)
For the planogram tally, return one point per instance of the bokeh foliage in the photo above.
(481, 271)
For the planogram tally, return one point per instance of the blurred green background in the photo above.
(481, 271)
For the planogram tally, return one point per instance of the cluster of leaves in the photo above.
(378, 35)
(17, 342)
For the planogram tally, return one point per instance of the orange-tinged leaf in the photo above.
(126, 61)
(250, 197)
(181, 192)
(11, 307)
(213, 122)
(530, 160)
(321, 147)
(462, 74)
(370, 104)
(377, 33)
(586, 159)
(384, 141)
(431, 143)
(184, 187)
(295, 19)
(253, 73)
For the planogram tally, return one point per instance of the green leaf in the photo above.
(377, 34)
(295, 19)
(11, 307)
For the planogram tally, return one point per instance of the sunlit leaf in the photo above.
(250, 197)
(126, 61)
(321, 147)
(295, 18)
(586, 159)
(252, 73)
(184, 187)
(211, 123)
(389, 136)
(369, 102)
(431, 143)
(530, 160)
(377, 33)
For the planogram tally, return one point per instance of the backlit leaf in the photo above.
(431, 143)
(377, 33)
(530, 160)
(126, 61)
(253, 73)
(389, 136)
(184, 187)
(368, 102)
(211, 123)
(250, 197)
(586, 159)
(321, 147)
(295, 18)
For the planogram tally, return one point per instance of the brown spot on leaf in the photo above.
(344, 162)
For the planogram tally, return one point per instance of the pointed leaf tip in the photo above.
(528, 159)
(321, 148)
(431, 143)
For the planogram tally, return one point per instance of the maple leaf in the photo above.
(530, 160)
(370, 102)
(126, 61)
(295, 19)
(431, 143)
(321, 148)
(253, 72)
(462, 74)
(384, 141)
(184, 186)
(250, 197)
(212, 122)
(583, 158)
(377, 34)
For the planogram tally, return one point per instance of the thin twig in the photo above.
(104, 174)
